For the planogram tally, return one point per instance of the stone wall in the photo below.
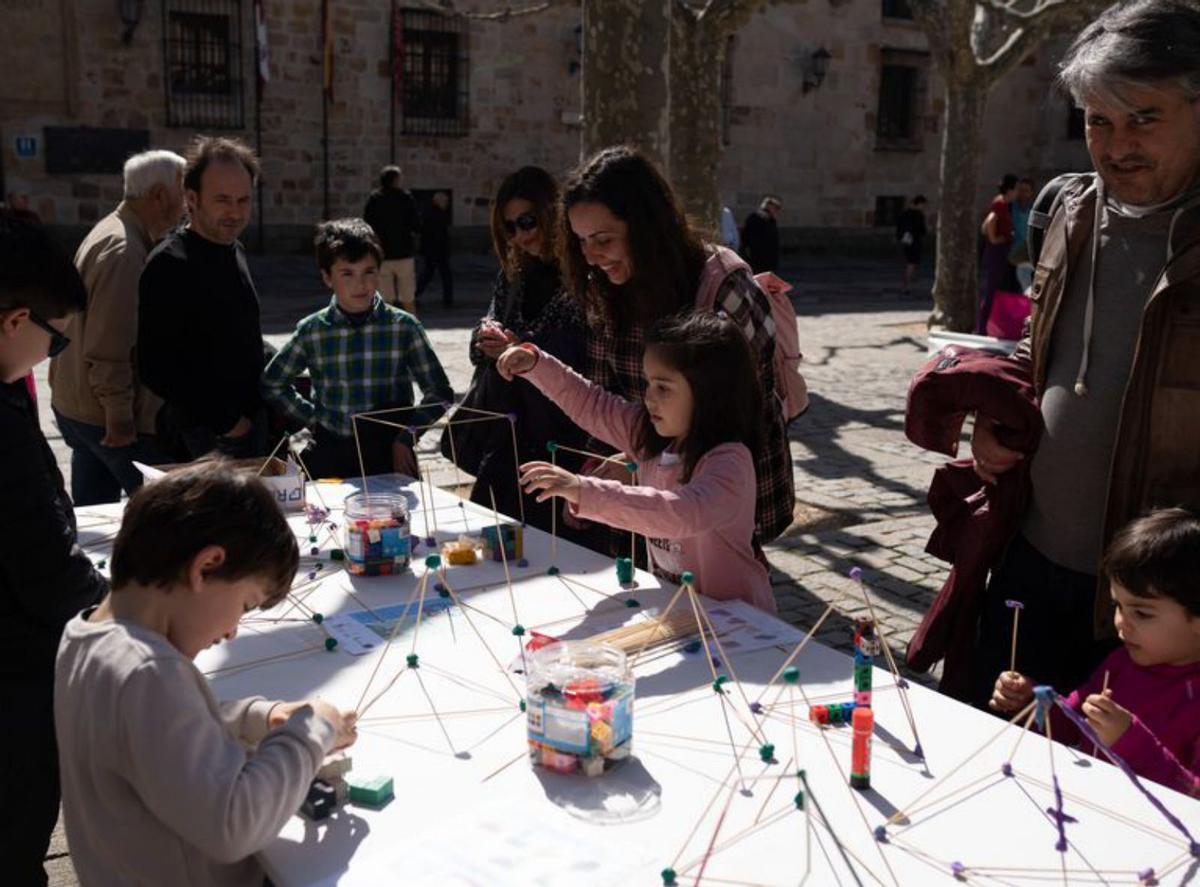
(67, 65)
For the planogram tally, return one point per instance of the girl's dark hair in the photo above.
(666, 253)
(1007, 183)
(530, 183)
(715, 358)
(1158, 555)
(347, 239)
(170, 520)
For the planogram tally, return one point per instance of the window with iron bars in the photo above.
(433, 65)
(202, 56)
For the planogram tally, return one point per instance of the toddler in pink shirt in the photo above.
(694, 439)
(1144, 700)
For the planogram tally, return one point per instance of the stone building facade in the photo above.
(81, 88)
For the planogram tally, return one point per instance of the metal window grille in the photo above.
(887, 210)
(434, 62)
(897, 103)
(897, 9)
(202, 55)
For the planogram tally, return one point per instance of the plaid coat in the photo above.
(615, 363)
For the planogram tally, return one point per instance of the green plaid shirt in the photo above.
(357, 368)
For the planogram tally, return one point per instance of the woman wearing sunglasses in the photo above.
(528, 304)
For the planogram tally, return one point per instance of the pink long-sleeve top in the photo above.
(704, 526)
(1163, 741)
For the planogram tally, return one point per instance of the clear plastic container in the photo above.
(376, 534)
(579, 706)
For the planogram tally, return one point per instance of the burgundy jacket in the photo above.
(975, 521)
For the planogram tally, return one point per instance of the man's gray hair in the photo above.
(144, 171)
(1134, 44)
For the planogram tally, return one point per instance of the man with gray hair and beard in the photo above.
(1113, 348)
(106, 417)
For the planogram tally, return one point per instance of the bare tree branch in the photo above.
(448, 8)
(1024, 11)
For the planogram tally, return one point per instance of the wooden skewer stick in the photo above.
(1016, 607)
(1103, 691)
(267, 461)
(362, 466)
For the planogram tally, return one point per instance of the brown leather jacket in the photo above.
(1156, 460)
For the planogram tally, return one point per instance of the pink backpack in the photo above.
(790, 387)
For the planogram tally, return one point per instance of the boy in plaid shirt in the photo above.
(362, 355)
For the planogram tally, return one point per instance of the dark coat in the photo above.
(975, 521)
(392, 213)
(45, 577)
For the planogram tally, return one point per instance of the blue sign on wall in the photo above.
(26, 146)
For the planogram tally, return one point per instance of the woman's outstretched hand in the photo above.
(516, 361)
(548, 480)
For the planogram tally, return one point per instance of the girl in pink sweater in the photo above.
(1144, 699)
(694, 439)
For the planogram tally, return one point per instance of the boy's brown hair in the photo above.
(1158, 555)
(168, 521)
(348, 239)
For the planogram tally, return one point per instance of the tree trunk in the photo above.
(625, 91)
(697, 54)
(956, 278)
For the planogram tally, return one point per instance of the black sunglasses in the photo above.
(525, 221)
(57, 340)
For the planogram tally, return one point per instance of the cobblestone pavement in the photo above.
(860, 486)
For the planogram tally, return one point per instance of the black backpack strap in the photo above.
(1045, 207)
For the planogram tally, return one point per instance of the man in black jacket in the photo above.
(760, 236)
(435, 248)
(45, 578)
(199, 338)
(392, 212)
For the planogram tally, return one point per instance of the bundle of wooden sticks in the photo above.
(652, 634)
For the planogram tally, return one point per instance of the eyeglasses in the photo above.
(525, 221)
(57, 340)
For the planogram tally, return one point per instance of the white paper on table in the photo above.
(507, 847)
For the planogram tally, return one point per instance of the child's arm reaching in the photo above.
(600, 413)
(700, 505)
(1140, 748)
(196, 777)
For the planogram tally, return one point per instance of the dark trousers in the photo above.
(29, 774)
(1055, 643)
(100, 473)
(202, 441)
(439, 262)
(334, 456)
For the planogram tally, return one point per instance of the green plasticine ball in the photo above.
(330, 644)
(791, 674)
(687, 578)
(433, 561)
(551, 446)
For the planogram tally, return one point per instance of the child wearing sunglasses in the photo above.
(45, 578)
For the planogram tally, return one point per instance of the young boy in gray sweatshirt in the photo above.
(158, 785)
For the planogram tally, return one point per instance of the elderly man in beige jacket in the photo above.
(106, 417)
